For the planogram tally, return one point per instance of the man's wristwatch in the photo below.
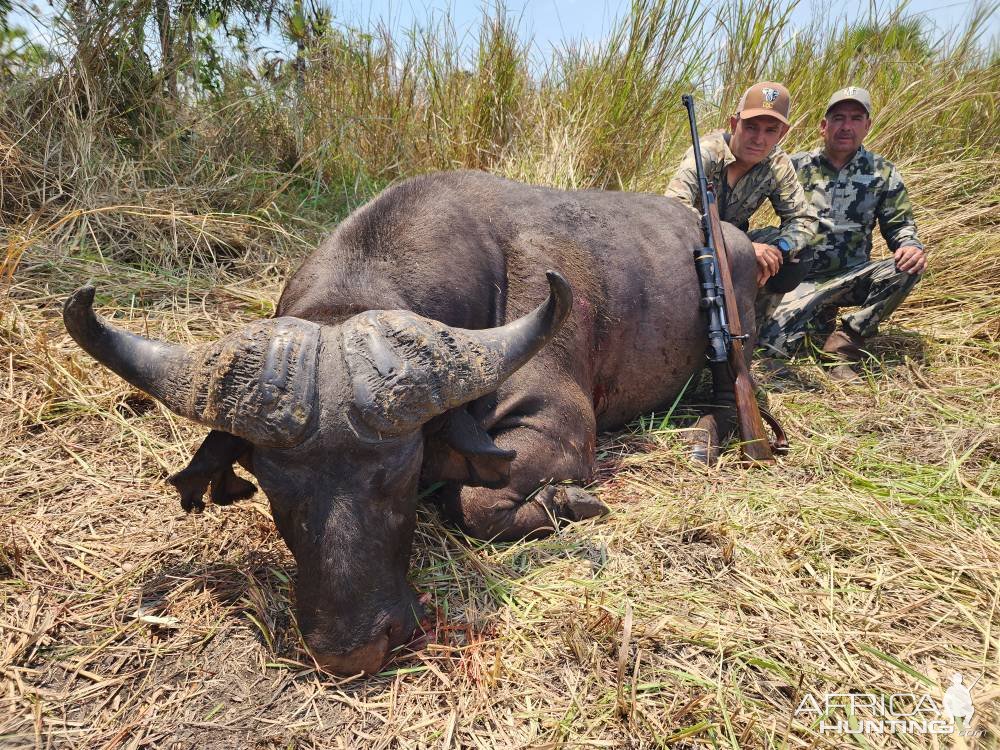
(783, 245)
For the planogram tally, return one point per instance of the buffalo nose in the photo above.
(368, 658)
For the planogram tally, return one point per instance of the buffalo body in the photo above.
(409, 346)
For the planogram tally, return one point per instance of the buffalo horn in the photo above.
(258, 383)
(407, 369)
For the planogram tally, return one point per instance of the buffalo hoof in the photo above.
(191, 486)
(227, 488)
(704, 450)
(702, 440)
(571, 503)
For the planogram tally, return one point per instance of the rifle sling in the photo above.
(779, 445)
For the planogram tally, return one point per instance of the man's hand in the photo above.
(909, 258)
(769, 261)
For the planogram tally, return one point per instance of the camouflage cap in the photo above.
(852, 94)
(766, 98)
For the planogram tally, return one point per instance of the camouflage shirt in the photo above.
(849, 202)
(772, 179)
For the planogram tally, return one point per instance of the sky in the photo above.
(552, 22)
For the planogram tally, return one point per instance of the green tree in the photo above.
(114, 36)
(901, 36)
(18, 52)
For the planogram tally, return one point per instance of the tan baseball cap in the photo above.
(767, 98)
(852, 94)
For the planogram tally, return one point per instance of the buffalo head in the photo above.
(335, 415)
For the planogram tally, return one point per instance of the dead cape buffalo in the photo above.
(409, 348)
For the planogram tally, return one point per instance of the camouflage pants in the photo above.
(876, 287)
(789, 276)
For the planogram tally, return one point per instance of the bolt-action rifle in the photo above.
(725, 332)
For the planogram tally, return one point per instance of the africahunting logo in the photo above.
(904, 713)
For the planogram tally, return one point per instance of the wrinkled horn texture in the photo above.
(406, 369)
(259, 383)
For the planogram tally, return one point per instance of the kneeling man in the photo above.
(747, 167)
(851, 188)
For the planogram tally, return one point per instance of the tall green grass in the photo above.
(270, 151)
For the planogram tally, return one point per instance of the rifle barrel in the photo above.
(707, 259)
(699, 169)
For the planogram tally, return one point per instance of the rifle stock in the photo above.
(754, 443)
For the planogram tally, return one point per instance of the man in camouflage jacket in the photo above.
(747, 167)
(851, 188)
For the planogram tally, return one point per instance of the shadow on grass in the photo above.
(896, 348)
(804, 371)
(255, 590)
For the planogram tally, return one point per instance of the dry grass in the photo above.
(697, 615)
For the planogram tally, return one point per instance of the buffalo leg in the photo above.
(718, 424)
(212, 464)
(555, 444)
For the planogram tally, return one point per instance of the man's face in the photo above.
(844, 128)
(753, 139)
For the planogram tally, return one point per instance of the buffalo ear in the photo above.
(462, 451)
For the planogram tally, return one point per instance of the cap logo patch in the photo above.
(851, 91)
(770, 95)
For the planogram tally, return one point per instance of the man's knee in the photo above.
(789, 276)
(792, 272)
(910, 281)
(886, 274)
